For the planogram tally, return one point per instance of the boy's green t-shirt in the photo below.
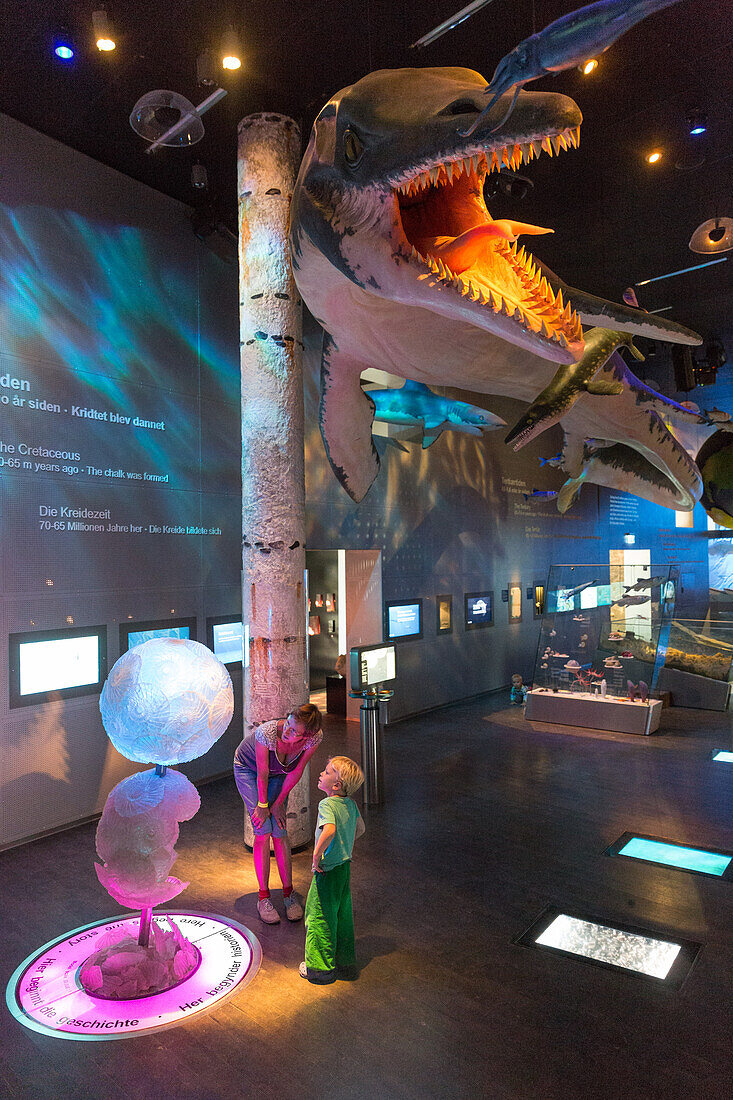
(344, 814)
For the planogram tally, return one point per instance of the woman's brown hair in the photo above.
(308, 716)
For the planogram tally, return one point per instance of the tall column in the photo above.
(273, 473)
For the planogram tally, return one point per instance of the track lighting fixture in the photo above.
(103, 33)
(231, 53)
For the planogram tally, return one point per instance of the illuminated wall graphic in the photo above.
(119, 444)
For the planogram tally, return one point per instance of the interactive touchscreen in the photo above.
(479, 609)
(132, 634)
(372, 665)
(64, 663)
(404, 619)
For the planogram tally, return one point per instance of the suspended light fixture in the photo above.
(714, 235)
(231, 50)
(103, 33)
(588, 66)
(653, 158)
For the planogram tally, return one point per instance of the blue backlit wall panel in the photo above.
(119, 445)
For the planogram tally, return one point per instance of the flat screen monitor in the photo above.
(479, 609)
(225, 636)
(46, 664)
(132, 634)
(403, 619)
(371, 665)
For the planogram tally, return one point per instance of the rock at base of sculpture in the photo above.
(121, 969)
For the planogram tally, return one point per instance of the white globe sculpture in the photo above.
(166, 701)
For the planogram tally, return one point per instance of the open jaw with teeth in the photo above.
(452, 234)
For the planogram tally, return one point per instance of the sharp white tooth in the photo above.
(577, 136)
(571, 138)
(476, 162)
(536, 147)
(556, 142)
(546, 331)
(562, 141)
(433, 175)
(505, 156)
(563, 340)
(547, 145)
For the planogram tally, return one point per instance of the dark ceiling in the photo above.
(617, 220)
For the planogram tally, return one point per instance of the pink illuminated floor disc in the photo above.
(45, 994)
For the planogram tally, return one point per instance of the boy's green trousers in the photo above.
(329, 924)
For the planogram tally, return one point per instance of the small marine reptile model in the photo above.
(415, 404)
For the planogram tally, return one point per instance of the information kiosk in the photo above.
(372, 666)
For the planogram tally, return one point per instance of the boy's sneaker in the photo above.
(317, 977)
(293, 908)
(267, 911)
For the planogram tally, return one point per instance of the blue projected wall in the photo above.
(120, 488)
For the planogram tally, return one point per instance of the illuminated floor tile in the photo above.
(723, 756)
(650, 849)
(619, 947)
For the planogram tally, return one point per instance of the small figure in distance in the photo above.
(329, 918)
(518, 694)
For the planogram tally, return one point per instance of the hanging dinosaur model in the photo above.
(397, 256)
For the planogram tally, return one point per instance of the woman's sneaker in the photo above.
(267, 911)
(293, 908)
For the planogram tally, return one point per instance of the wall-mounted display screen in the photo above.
(132, 634)
(479, 609)
(224, 635)
(445, 614)
(56, 663)
(372, 664)
(403, 619)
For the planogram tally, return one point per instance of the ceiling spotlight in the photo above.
(588, 66)
(714, 235)
(206, 75)
(62, 46)
(230, 50)
(103, 33)
(697, 122)
(653, 158)
(199, 177)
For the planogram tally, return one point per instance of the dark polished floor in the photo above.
(486, 822)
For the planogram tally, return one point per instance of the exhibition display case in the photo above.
(603, 640)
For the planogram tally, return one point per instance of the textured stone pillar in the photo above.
(273, 474)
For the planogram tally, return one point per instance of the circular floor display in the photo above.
(45, 993)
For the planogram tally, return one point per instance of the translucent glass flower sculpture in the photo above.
(136, 834)
(166, 701)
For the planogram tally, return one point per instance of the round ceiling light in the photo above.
(714, 235)
(167, 118)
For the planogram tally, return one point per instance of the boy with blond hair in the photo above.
(329, 919)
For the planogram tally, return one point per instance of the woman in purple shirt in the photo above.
(267, 765)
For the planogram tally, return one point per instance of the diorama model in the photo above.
(397, 256)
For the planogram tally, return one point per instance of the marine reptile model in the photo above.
(397, 256)
(415, 405)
